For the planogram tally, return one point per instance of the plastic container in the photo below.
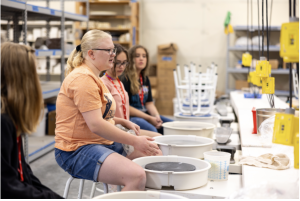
(223, 134)
(189, 128)
(179, 180)
(265, 113)
(219, 164)
(189, 146)
(139, 195)
(209, 118)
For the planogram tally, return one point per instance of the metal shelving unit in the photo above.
(233, 70)
(114, 19)
(16, 11)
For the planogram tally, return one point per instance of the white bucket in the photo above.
(139, 195)
(189, 128)
(219, 164)
(179, 180)
(213, 118)
(194, 151)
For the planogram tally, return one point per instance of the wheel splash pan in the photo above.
(184, 145)
(179, 180)
(189, 128)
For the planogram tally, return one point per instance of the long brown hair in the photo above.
(21, 95)
(120, 49)
(130, 71)
(89, 41)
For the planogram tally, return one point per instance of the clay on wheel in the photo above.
(170, 166)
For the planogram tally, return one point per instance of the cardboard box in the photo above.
(166, 88)
(166, 96)
(274, 63)
(239, 84)
(153, 81)
(51, 122)
(152, 70)
(166, 61)
(163, 73)
(169, 48)
(164, 107)
(154, 93)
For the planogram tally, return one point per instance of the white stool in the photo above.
(66, 192)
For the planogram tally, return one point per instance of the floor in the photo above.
(51, 175)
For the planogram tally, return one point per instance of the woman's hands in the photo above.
(145, 145)
(132, 126)
(155, 121)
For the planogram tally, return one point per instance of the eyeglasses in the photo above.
(119, 64)
(110, 51)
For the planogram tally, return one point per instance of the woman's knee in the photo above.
(138, 175)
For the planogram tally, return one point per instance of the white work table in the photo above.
(212, 190)
(252, 145)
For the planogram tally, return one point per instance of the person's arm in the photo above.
(137, 113)
(108, 131)
(128, 124)
(153, 111)
(11, 186)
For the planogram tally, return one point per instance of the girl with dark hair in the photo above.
(136, 82)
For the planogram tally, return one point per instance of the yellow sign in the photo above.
(289, 42)
(268, 85)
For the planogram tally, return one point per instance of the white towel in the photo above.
(276, 162)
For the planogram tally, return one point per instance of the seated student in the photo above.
(21, 104)
(116, 87)
(87, 144)
(136, 82)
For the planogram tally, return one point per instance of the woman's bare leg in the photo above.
(118, 170)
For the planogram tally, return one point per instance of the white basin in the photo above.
(169, 146)
(139, 195)
(179, 180)
(189, 128)
(214, 118)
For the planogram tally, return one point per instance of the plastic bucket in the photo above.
(219, 164)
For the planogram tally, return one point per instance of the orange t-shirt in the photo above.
(80, 92)
(116, 95)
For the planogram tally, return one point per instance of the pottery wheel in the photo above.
(170, 166)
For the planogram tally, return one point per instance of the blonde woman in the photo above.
(136, 82)
(87, 144)
(111, 79)
(21, 104)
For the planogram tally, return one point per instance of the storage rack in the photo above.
(20, 10)
(233, 70)
(133, 30)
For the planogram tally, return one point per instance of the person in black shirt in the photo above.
(136, 82)
(21, 103)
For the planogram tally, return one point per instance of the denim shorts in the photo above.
(86, 161)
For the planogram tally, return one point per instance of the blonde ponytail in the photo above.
(90, 40)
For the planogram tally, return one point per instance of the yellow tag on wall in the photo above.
(283, 132)
(289, 42)
(268, 85)
(246, 59)
(263, 68)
